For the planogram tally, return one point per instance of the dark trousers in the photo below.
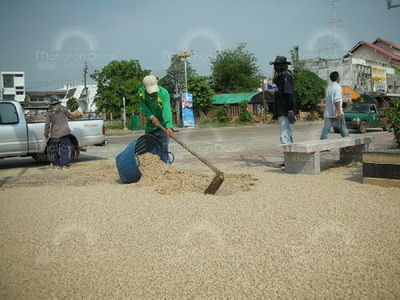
(59, 151)
(163, 137)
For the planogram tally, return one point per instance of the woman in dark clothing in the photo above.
(57, 130)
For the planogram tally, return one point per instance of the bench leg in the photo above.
(352, 154)
(302, 163)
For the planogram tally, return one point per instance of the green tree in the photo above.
(309, 89)
(202, 93)
(222, 113)
(174, 81)
(72, 104)
(235, 70)
(298, 64)
(244, 115)
(126, 75)
(394, 118)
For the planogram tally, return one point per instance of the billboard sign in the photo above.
(187, 110)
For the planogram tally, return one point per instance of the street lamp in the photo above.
(121, 92)
(184, 55)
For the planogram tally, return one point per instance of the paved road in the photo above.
(218, 144)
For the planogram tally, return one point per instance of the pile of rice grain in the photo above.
(170, 179)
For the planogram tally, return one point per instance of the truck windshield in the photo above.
(354, 108)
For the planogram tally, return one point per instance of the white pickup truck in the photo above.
(21, 138)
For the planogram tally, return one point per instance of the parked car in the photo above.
(21, 138)
(361, 116)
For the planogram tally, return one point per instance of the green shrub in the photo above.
(243, 105)
(394, 116)
(206, 121)
(117, 124)
(222, 114)
(245, 116)
(72, 104)
(313, 116)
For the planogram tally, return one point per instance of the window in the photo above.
(19, 87)
(70, 93)
(20, 93)
(19, 75)
(8, 114)
(8, 80)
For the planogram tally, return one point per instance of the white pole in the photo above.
(124, 113)
(186, 89)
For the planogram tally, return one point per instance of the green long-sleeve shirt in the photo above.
(159, 106)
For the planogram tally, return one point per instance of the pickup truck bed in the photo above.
(21, 138)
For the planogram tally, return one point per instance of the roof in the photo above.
(43, 94)
(391, 44)
(346, 90)
(233, 98)
(376, 48)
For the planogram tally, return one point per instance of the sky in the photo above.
(51, 39)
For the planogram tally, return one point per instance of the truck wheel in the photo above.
(73, 150)
(386, 126)
(363, 127)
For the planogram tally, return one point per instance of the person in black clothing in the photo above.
(285, 104)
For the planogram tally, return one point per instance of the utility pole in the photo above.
(85, 70)
(121, 92)
(185, 55)
(264, 109)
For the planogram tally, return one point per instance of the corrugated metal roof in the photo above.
(387, 43)
(377, 48)
(233, 98)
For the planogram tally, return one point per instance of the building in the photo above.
(37, 103)
(77, 90)
(43, 97)
(366, 68)
(13, 86)
(254, 101)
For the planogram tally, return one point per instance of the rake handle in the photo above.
(202, 159)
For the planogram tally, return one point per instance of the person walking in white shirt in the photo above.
(333, 115)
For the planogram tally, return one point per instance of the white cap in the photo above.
(150, 83)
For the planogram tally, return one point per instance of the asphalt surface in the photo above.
(219, 144)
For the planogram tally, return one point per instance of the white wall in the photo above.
(17, 89)
(78, 94)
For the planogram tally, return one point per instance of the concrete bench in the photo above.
(304, 157)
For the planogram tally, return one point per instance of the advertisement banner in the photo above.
(187, 110)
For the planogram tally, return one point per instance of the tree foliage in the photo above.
(222, 113)
(394, 117)
(72, 104)
(244, 115)
(202, 92)
(309, 89)
(174, 81)
(235, 70)
(125, 75)
(298, 64)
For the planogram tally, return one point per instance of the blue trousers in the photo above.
(329, 122)
(59, 151)
(286, 130)
(163, 137)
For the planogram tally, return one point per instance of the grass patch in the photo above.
(117, 124)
